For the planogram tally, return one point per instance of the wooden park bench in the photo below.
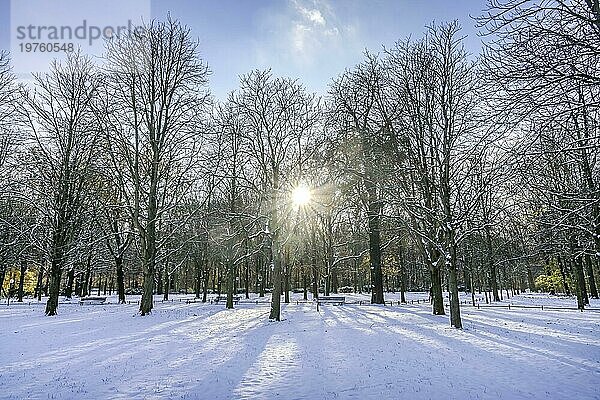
(223, 299)
(92, 300)
(335, 300)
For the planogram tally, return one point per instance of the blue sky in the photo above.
(313, 40)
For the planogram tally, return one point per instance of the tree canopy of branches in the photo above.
(422, 168)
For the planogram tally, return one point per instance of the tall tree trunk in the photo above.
(314, 268)
(276, 251)
(402, 285)
(334, 280)
(205, 279)
(563, 275)
(315, 281)
(455, 319)
(436, 290)
(246, 269)
(580, 282)
(55, 276)
(402, 261)
(70, 279)
(22, 272)
(230, 284)
(276, 295)
(437, 297)
(467, 278)
(197, 278)
(148, 266)
(87, 286)
(219, 277)
(40, 282)
(530, 281)
(286, 283)
(91, 284)
(262, 274)
(374, 217)
(287, 268)
(491, 264)
(2, 277)
(149, 234)
(167, 284)
(327, 278)
(257, 272)
(160, 285)
(590, 273)
(120, 280)
(304, 284)
(580, 279)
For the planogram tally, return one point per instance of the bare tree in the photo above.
(355, 112)
(8, 146)
(276, 114)
(156, 85)
(61, 123)
(547, 75)
(433, 82)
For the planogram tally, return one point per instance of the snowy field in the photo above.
(203, 351)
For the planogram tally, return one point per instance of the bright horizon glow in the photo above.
(301, 196)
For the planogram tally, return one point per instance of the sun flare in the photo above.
(301, 196)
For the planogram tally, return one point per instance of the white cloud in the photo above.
(303, 38)
(313, 15)
(312, 29)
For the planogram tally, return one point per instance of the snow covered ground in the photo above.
(203, 351)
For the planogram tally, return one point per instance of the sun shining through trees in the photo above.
(392, 174)
(301, 196)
